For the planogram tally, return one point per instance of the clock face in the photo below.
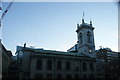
(90, 50)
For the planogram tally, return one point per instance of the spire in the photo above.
(83, 18)
(83, 15)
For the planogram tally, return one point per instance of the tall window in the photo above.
(84, 66)
(49, 77)
(91, 76)
(80, 37)
(49, 65)
(77, 68)
(68, 66)
(88, 36)
(59, 65)
(68, 76)
(91, 66)
(84, 76)
(39, 64)
(38, 76)
(59, 76)
(76, 76)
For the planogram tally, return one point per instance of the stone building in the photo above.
(47, 64)
(109, 66)
(0, 60)
(100, 69)
(119, 64)
(39, 63)
(86, 39)
(106, 54)
(6, 60)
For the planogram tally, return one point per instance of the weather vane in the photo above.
(83, 15)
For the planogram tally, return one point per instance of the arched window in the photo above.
(39, 64)
(59, 65)
(84, 76)
(76, 76)
(91, 76)
(49, 77)
(38, 76)
(49, 65)
(88, 36)
(80, 37)
(76, 66)
(68, 66)
(91, 66)
(59, 76)
(68, 76)
(84, 66)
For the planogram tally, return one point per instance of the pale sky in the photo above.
(52, 25)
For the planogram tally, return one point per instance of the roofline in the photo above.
(52, 52)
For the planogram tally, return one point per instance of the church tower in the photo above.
(85, 36)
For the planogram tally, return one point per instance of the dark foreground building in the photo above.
(5, 60)
(47, 64)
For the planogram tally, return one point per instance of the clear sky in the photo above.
(52, 25)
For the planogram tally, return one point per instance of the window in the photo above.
(20, 62)
(59, 76)
(49, 77)
(80, 37)
(59, 65)
(99, 69)
(38, 76)
(91, 66)
(76, 76)
(49, 65)
(88, 36)
(68, 76)
(76, 65)
(77, 68)
(91, 76)
(68, 66)
(39, 64)
(84, 66)
(84, 76)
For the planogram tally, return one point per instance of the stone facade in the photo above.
(107, 63)
(5, 60)
(0, 60)
(79, 65)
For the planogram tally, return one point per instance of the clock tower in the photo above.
(85, 36)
